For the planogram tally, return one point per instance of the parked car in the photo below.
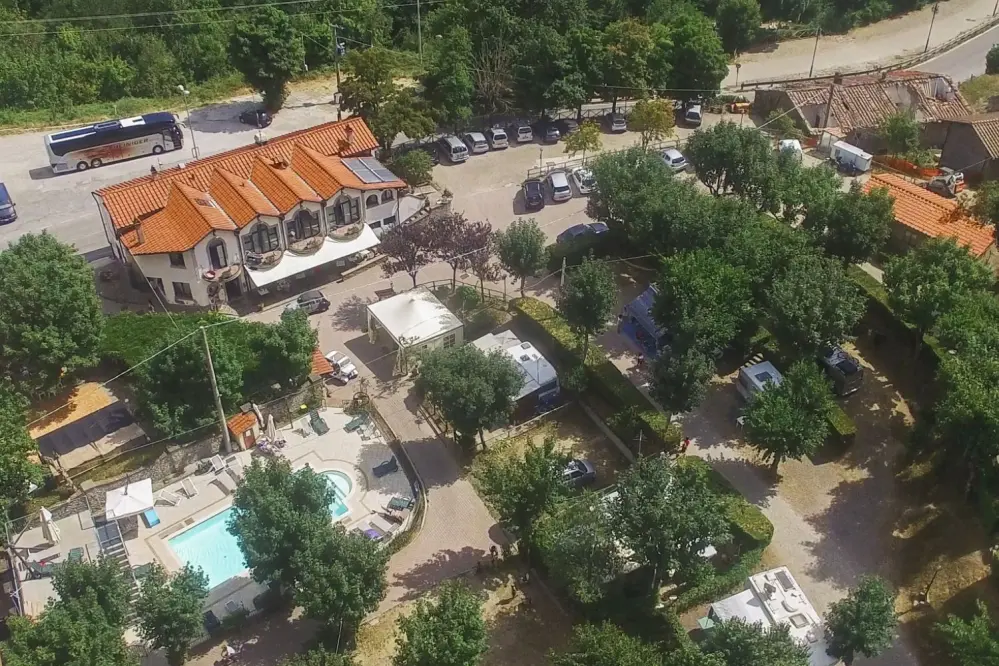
(580, 230)
(452, 149)
(567, 126)
(313, 302)
(843, 369)
(579, 473)
(343, 368)
(549, 132)
(584, 180)
(534, 194)
(476, 142)
(559, 186)
(256, 117)
(616, 122)
(675, 160)
(496, 136)
(692, 115)
(7, 211)
(521, 132)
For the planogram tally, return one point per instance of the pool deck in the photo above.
(355, 454)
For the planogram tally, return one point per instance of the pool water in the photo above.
(209, 544)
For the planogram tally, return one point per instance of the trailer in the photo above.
(850, 158)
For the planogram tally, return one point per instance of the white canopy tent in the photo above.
(129, 500)
(414, 319)
(50, 531)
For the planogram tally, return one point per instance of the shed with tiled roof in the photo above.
(971, 145)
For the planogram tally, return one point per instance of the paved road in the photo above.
(965, 61)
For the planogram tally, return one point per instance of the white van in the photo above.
(755, 378)
(452, 149)
(693, 115)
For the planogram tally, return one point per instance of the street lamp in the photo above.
(194, 143)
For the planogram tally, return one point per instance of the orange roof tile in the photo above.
(239, 198)
(188, 216)
(138, 197)
(931, 214)
(274, 182)
(310, 165)
(320, 366)
(241, 422)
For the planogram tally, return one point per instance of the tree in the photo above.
(737, 22)
(804, 190)
(174, 388)
(403, 112)
(972, 326)
(986, 205)
(967, 412)
(341, 576)
(169, 610)
(587, 299)
(481, 263)
(277, 515)
(414, 166)
(764, 249)
(100, 582)
(653, 119)
(627, 47)
(456, 240)
(409, 247)
(51, 324)
(575, 541)
(268, 53)
(782, 126)
(699, 59)
(703, 301)
(812, 305)
(692, 656)
(789, 420)
(18, 451)
(679, 378)
(473, 390)
(448, 84)
(586, 137)
(666, 514)
(743, 644)
(522, 489)
(853, 226)
(992, 60)
(449, 631)
(371, 81)
(521, 249)
(972, 642)
(862, 623)
(605, 645)
(283, 352)
(318, 656)
(900, 132)
(730, 158)
(927, 281)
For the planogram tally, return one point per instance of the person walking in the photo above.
(686, 445)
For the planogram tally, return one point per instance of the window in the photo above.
(448, 340)
(371, 201)
(304, 225)
(217, 255)
(345, 211)
(157, 285)
(182, 291)
(388, 195)
(376, 225)
(261, 239)
(177, 259)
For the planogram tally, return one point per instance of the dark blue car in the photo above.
(580, 230)
(7, 211)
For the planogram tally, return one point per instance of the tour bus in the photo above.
(113, 140)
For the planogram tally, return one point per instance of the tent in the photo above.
(129, 500)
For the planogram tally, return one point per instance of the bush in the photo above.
(131, 337)
(992, 60)
(605, 380)
(414, 167)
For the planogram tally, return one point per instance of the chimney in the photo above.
(838, 79)
(349, 133)
(138, 231)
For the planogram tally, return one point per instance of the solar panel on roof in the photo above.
(378, 169)
(361, 170)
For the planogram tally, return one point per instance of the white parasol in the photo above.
(271, 429)
(129, 500)
(50, 531)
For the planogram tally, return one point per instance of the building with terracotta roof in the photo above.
(971, 145)
(252, 219)
(854, 106)
(921, 214)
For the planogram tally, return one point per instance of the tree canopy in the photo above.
(862, 623)
(971, 642)
(268, 53)
(447, 631)
(18, 469)
(852, 226)
(900, 132)
(737, 22)
(169, 610)
(742, 644)
(653, 119)
(587, 299)
(730, 158)
(521, 249)
(604, 645)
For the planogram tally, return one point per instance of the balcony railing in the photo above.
(263, 261)
(306, 245)
(347, 233)
(224, 274)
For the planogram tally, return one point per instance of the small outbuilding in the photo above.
(540, 388)
(413, 322)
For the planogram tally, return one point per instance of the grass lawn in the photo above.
(575, 433)
(518, 633)
(978, 89)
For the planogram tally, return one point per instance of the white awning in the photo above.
(331, 250)
(129, 500)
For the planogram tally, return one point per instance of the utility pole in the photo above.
(561, 278)
(336, 60)
(226, 444)
(419, 31)
(818, 32)
(933, 17)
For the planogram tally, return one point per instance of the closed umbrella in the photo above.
(50, 531)
(271, 430)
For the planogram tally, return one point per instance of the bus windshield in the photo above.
(113, 140)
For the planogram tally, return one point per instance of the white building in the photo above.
(254, 218)
(773, 598)
(414, 321)
(539, 375)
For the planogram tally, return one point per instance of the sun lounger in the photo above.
(142, 570)
(388, 467)
(235, 467)
(355, 422)
(188, 485)
(75, 555)
(400, 503)
(317, 423)
(150, 518)
(41, 569)
(169, 497)
(218, 465)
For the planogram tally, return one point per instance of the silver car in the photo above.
(497, 138)
(675, 160)
(476, 142)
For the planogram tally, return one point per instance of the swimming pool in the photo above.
(209, 544)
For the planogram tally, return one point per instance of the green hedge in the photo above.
(603, 376)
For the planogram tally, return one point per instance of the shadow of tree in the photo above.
(351, 314)
(442, 565)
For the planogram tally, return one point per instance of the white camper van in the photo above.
(755, 378)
